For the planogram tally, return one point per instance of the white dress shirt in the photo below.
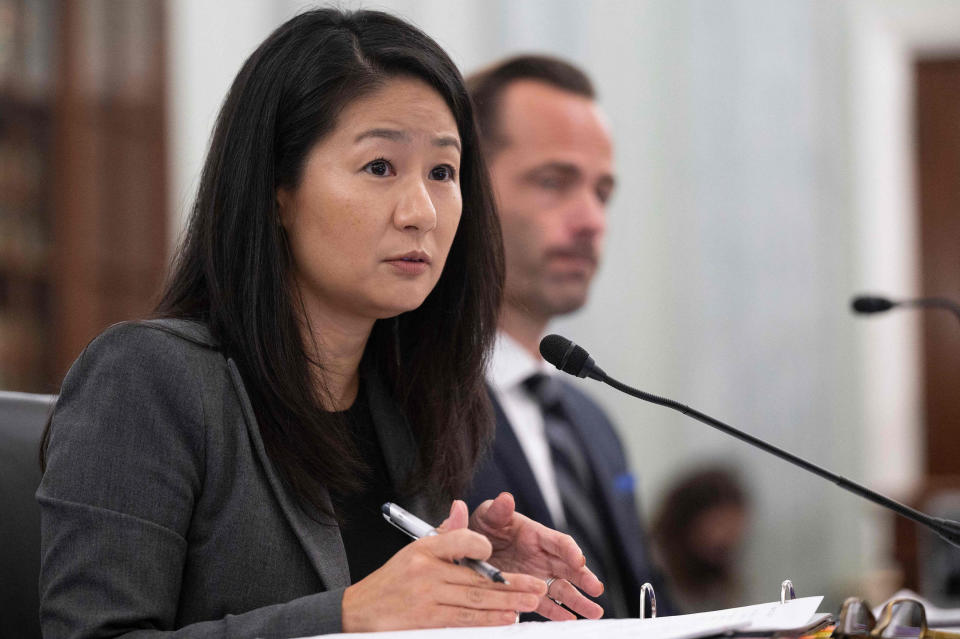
(509, 366)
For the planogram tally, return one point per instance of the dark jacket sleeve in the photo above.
(126, 460)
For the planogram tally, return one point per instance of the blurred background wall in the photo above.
(769, 168)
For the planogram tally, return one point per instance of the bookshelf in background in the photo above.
(26, 122)
(82, 178)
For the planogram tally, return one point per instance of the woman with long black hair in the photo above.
(218, 469)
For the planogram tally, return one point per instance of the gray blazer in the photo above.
(162, 515)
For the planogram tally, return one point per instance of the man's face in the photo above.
(552, 179)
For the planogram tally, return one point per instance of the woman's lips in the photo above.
(413, 263)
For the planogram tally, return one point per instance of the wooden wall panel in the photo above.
(938, 174)
(110, 212)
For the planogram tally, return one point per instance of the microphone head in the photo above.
(553, 347)
(566, 355)
(871, 304)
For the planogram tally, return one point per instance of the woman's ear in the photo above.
(284, 201)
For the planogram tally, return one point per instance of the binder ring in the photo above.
(646, 592)
(787, 593)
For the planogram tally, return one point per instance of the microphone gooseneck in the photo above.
(559, 350)
(869, 304)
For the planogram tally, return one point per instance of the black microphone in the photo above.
(868, 304)
(569, 357)
(574, 360)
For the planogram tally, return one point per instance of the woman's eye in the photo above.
(443, 173)
(380, 168)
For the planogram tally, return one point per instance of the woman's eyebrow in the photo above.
(447, 140)
(396, 135)
(393, 135)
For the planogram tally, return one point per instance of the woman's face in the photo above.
(372, 221)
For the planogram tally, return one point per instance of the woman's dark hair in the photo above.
(233, 270)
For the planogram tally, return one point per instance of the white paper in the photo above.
(757, 618)
(768, 617)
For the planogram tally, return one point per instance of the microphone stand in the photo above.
(946, 528)
(574, 360)
(870, 304)
(934, 302)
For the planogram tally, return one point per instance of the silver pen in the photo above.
(417, 528)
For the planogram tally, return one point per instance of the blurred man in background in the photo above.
(698, 533)
(550, 156)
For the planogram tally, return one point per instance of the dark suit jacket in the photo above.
(161, 511)
(506, 468)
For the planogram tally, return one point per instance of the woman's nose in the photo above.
(415, 209)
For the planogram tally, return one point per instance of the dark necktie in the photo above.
(578, 491)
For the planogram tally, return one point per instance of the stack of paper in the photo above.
(795, 615)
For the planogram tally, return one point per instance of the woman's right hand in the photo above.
(421, 587)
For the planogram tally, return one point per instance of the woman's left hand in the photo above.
(522, 545)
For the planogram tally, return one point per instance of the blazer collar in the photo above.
(624, 521)
(321, 540)
(399, 445)
(511, 459)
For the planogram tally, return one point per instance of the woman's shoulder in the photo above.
(158, 353)
(152, 333)
(135, 409)
(141, 382)
(160, 343)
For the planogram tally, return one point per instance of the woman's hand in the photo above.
(421, 587)
(523, 545)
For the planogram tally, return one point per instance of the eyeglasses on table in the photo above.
(900, 619)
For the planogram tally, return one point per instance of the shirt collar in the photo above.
(511, 364)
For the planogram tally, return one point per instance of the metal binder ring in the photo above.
(787, 593)
(646, 592)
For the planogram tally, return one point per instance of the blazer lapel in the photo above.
(320, 540)
(399, 446)
(509, 457)
(625, 524)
